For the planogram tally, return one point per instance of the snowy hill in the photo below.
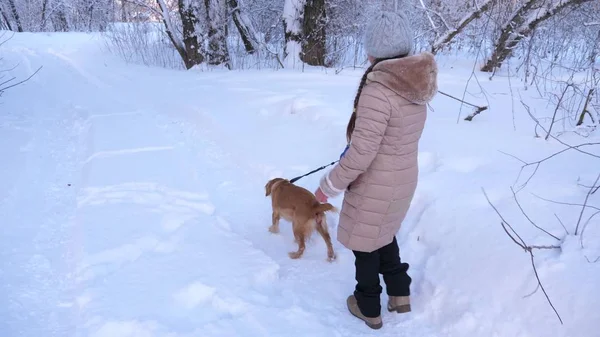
(132, 201)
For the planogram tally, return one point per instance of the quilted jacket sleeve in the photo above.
(372, 117)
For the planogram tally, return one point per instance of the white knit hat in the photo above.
(388, 35)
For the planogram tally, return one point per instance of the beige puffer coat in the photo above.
(379, 172)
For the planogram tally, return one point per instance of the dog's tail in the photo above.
(326, 207)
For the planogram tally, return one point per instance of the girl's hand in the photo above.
(321, 197)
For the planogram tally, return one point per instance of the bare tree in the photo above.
(15, 15)
(293, 14)
(521, 24)
(244, 26)
(314, 40)
(192, 47)
(216, 18)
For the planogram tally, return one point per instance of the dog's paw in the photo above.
(331, 257)
(295, 255)
(274, 229)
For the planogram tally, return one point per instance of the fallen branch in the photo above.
(478, 109)
(528, 249)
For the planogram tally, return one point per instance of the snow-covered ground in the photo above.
(132, 205)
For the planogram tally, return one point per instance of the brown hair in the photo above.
(363, 81)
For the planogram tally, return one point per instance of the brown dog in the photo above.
(300, 207)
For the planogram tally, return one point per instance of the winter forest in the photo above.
(240, 34)
(138, 135)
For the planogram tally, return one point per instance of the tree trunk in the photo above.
(59, 21)
(521, 25)
(244, 26)
(15, 14)
(293, 13)
(314, 44)
(123, 11)
(6, 21)
(218, 54)
(189, 10)
(43, 21)
(170, 30)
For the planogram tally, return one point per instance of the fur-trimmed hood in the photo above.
(413, 77)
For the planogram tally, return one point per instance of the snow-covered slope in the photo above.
(132, 202)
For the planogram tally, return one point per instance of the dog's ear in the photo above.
(269, 186)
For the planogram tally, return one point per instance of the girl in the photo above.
(379, 171)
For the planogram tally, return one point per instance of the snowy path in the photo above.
(142, 211)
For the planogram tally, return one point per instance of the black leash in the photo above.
(313, 171)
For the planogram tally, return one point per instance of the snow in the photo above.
(133, 204)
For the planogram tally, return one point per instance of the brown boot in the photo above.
(373, 323)
(399, 304)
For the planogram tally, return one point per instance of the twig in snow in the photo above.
(556, 110)
(20, 82)
(596, 260)
(585, 204)
(564, 203)
(585, 108)
(542, 287)
(537, 163)
(528, 218)
(561, 223)
(585, 226)
(533, 292)
(528, 249)
(478, 109)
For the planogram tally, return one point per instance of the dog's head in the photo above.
(272, 184)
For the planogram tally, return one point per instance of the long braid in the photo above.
(363, 81)
(352, 121)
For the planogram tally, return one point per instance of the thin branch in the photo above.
(585, 226)
(570, 147)
(561, 223)
(504, 222)
(564, 92)
(513, 156)
(565, 203)
(542, 286)
(527, 217)
(534, 291)
(23, 81)
(587, 196)
(596, 260)
(528, 249)
(460, 100)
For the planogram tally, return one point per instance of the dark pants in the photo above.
(385, 261)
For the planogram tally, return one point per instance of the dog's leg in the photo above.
(322, 229)
(299, 235)
(275, 226)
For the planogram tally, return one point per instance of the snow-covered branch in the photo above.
(448, 36)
